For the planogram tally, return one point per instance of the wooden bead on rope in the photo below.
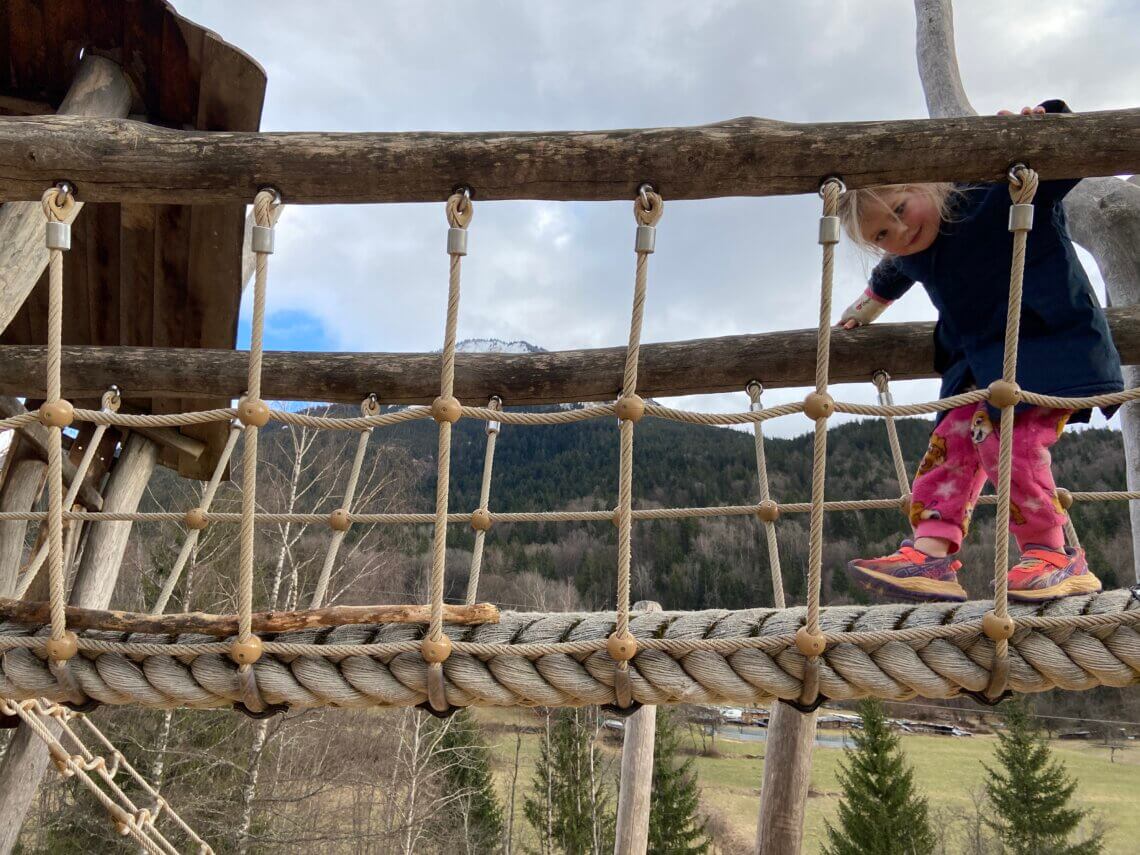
(809, 643)
(997, 628)
(62, 649)
(818, 405)
(436, 650)
(253, 412)
(1064, 498)
(621, 648)
(768, 511)
(446, 409)
(58, 414)
(246, 652)
(481, 519)
(1004, 394)
(339, 521)
(630, 408)
(196, 519)
(616, 518)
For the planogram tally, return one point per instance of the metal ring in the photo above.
(269, 189)
(643, 191)
(759, 386)
(1011, 173)
(464, 191)
(495, 403)
(65, 188)
(832, 179)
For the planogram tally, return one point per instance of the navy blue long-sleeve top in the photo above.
(1065, 346)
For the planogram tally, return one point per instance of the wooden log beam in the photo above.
(631, 827)
(726, 364)
(100, 88)
(787, 773)
(37, 614)
(125, 161)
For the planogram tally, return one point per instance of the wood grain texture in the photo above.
(124, 161)
(35, 614)
(698, 366)
(787, 773)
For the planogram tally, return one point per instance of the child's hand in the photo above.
(1025, 111)
(863, 311)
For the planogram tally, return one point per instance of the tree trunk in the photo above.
(249, 786)
(27, 757)
(1103, 214)
(787, 772)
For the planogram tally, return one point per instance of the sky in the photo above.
(560, 274)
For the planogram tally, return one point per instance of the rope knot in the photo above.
(58, 203)
(460, 209)
(830, 191)
(264, 204)
(648, 208)
(1022, 184)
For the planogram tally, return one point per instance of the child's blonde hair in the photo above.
(854, 203)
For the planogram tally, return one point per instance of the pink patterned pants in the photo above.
(963, 453)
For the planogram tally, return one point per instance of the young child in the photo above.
(955, 241)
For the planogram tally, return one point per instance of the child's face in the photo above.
(905, 223)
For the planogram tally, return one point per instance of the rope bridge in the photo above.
(448, 657)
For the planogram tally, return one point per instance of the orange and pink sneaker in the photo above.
(908, 574)
(1047, 574)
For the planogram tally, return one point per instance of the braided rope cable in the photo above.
(755, 390)
(191, 540)
(1021, 193)
(54, 203)
(370, 404)
(484, 505)
(898, 651)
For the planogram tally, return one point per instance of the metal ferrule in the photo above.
(456, 241)
(58, 236)
(493, 427)
(261, 240)
(886, 398)
(1020, 218)
(828, 230)
(755, 407)
(646, 239)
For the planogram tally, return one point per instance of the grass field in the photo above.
(946, 768)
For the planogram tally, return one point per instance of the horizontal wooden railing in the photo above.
(127, 161)
(725, 364)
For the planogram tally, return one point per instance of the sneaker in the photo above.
(909, 575)
(1046, 574)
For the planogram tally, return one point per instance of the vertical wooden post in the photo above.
(24, 473)
(26, 759)
(787, 772)
(632, 831)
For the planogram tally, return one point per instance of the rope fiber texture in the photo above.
(714, 657)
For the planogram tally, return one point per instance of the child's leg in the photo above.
(943, 495)
(1035, 516)
(948, 482)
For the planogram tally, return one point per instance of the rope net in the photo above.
(802, 655)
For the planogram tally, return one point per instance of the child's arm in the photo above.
(886, 285)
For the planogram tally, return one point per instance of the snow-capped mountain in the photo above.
(495, 345)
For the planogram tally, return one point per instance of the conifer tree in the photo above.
(881, 812)
(467, 772)
(1030, 792)
(675, 826)
(571, 806)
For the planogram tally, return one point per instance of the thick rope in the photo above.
(898, 651)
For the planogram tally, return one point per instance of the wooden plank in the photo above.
(26, 53)
(103, 273)
(172, 261)
(65, 31)
(126, 161)
(181, 65)
(39, 613)
(699, 366)
(136, 274)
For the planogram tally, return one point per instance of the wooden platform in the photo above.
(140, 274)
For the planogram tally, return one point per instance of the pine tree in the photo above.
(881, 812)
(571, 807)
(1029, 792)
(467, 771)
(675, 828)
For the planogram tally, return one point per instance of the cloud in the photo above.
(561, 274)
